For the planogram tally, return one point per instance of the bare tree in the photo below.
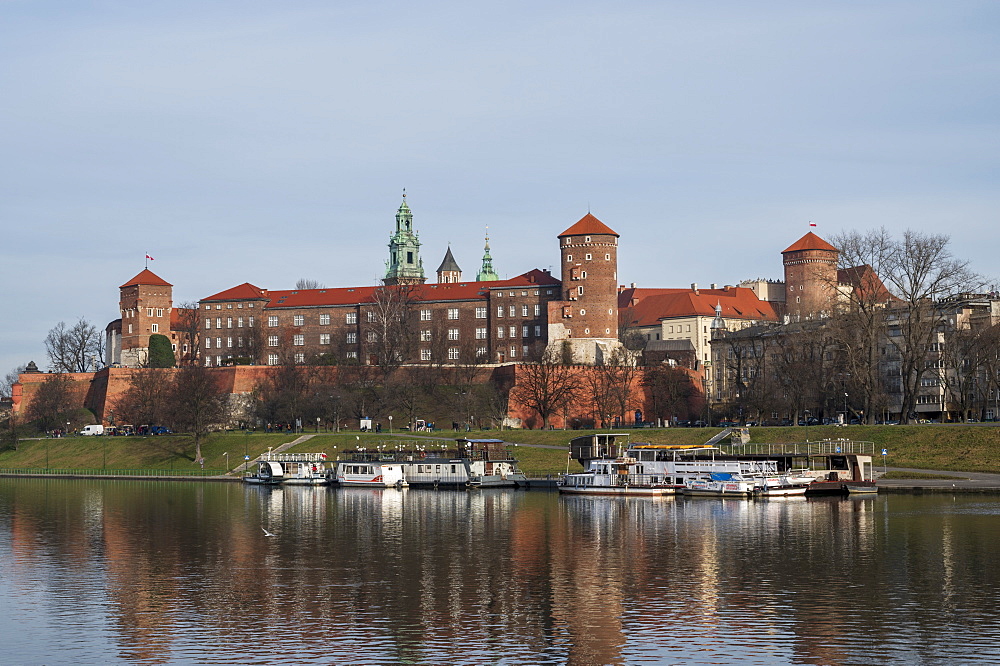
(188, 333)
(672, 392)
(79, 348)
(11, 378)
(51, 404)
(305, 283)
(198, 403)
(144, 401)
(389, 333)
(547, 385)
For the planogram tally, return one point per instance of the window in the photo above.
(324, 320)
(524, 310)
(218, 306)
(481, 352)
(538, 331)
(218, 322)
(569, 257)
(272, 359)
(583, 275)
(324, 338)
(524, 351)
(513, 331)
(425, 354)
(239, 306)
(208, 343)
(272, 341)
(607, 257)
(586, 239)
(588, 258)
(524, 331)
(239, 322)
(300, 358)
(481, 333)
(250, 321)
(250, 305)
(453, 334)
(155, 328)
(159, 312)
(208, 307)
(425, 315)
(513, 351)
(512, 311)
(538, 309)
(510, 293)
(371, 316)
(229, 322)
(579, 291)
(352, 338)
(272, 320)
(352, 318)
(239, 342)
(298, 320)
(452, 313)
(218, 343)
(208, 322)
(229, 343)
(499, 310)
(352, 354)
(371, 336)
(480, 313)
(149, 312)
(500, 332)
(452, 353)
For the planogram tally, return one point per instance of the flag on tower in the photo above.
(151, 259)
(811, 224)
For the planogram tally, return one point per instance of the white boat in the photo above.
(721, 484)
(370, 474)
(782, 485)
(649, 469)
(290, 469)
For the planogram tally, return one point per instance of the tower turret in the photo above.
(486, 272)
(405, 265)
(146, 301)
(810, 276)
(448, 271)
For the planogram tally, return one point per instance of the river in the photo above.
(147, 572)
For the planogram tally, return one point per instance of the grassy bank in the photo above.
(954, 448)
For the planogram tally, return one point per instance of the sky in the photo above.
(265, 142)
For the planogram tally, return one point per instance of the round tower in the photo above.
(810, 277)
(589, 269)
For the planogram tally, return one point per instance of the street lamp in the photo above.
(390, 424)
(317, 425)
(845, 407)
(227, 461)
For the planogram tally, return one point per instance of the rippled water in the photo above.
(141, 572)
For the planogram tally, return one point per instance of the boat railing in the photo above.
(623, 480)
(293, 457)
(823, 447)
(745, 467)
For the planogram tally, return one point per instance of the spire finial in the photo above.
(404, 192)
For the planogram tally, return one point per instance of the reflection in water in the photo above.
(155, 573)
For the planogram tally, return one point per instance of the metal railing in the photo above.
(36, 471)
(821, 448)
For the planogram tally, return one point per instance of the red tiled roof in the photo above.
(147, 277)
(810, 242)
(175, 317)
(646, 307)
(243, 292)
(457, 291)
(864, 279)
(589, 224)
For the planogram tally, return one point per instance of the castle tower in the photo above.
(145, 304)
(486, 272)
(405, 265)
(810, 277)
(448, 271)
(585, 320)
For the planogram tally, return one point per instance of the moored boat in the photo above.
(721, 484)
(292, 469)
(370, 474)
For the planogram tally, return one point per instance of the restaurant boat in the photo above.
(291, 469)
(370, 474)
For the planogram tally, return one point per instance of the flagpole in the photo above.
(147, 259)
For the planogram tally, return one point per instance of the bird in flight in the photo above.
(266, 533)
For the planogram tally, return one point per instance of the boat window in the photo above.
(452, 469)
(647, 455)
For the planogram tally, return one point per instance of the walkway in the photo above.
(960, 482)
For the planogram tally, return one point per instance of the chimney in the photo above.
(715, 286)
(633, 285)
(694, 287)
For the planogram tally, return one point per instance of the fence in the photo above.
(41, 471)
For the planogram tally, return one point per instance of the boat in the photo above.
(782, 485)
(370, 474)
(722, 484)
(829, 466)
(290, 469)
(613, 466)
(473, 463)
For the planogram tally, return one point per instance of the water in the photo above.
(145, 572)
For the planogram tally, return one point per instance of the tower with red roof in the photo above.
(586, 317)
(145, 303)
(810, 277)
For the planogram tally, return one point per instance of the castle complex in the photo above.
(581, 315)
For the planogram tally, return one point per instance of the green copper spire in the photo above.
(405, 265)
(486, 273)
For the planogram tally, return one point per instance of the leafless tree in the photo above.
(672, 393)
(51, 404)
(78, 348)
(11, 378)
(144, 401)
(198, 404)
(547, 385)
(188, 333)
(389, 332)
(305, 283)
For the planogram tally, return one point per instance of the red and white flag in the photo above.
(151, 259)
(811, 224)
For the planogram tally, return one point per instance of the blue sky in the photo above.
(264, 142)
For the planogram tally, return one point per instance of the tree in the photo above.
(160, 353)
(145, 399)
(50, 406)
(672, 392)
(74, 349)
(305, 283)
(198, 403)
(284, 395)
(11, 378)
(389, 333)
(547, 385)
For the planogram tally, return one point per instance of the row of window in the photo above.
(352, 317)
(587, 257)
(229, 306)
(229, 322)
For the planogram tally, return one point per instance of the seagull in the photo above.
(266, 533)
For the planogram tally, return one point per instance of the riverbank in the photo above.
(946, 449)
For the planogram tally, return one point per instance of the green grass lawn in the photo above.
(934, 447)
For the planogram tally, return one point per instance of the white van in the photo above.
(92, 430)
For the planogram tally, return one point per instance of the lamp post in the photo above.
(227, 461)
(317, 425)
(845, 407)
(390, 424)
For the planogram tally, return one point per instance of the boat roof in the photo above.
(673, 447)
